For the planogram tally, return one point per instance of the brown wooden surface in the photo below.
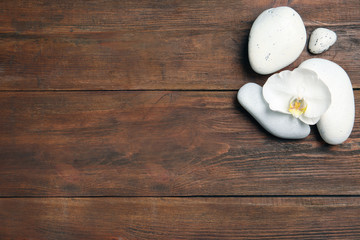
(164, 45)
(119, 120)
(160, 144)
(181, 218)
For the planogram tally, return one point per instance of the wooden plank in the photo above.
(166, 45)
(180, 218)
(159, 144)
(43, 16)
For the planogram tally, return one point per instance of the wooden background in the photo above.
(119, 120)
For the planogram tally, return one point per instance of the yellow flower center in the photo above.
(297, 106)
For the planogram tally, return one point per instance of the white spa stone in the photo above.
(321, 39)
(336, 123)
(278, 124)
(277, 38)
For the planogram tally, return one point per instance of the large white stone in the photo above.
(336, 123)
(277, 38)
(278, 124)
(321, 39)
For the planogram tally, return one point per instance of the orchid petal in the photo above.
(318, 101)
(277, 92)
(300, 93)
(309, 121)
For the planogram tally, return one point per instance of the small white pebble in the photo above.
(321, 39)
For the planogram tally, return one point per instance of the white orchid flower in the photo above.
(299, 92)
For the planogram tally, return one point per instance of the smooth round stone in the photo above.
(337, 122)
(277, 38)
(278, 124)
(321, 39)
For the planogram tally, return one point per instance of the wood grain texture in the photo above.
(97, 164)
(122, 45)
(180, 218)
(160, 144)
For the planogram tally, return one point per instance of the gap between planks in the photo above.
(130, 90)
(195, 196)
